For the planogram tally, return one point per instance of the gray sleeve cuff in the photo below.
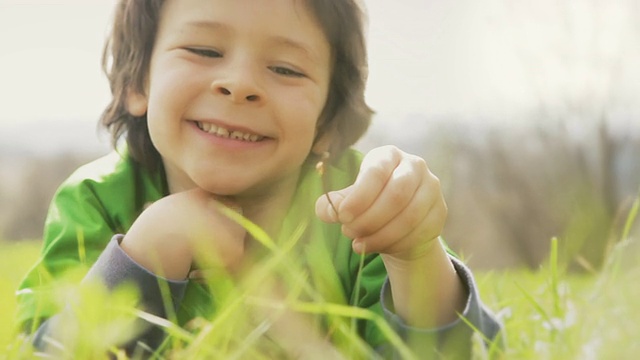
(475, 313)
(115, 267)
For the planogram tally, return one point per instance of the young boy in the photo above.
(234, 102)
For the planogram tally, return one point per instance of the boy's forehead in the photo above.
(288, 23)
(294, 11)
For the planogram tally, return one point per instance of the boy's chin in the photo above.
(223, 191)
(226, 189)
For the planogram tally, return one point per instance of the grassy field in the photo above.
(547, 313)
(15, 260)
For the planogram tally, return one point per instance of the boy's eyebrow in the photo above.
(212, 25)
(291, 43)
(278, 40)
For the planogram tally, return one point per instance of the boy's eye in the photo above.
(205, 52)
(286, 71)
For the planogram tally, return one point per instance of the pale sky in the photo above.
(433, 57)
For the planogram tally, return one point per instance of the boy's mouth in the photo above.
(226, 133)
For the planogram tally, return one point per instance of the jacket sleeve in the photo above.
(113, 268)
(77, 230)
(98, 200)
(454, 340)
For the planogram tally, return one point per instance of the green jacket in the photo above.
(104, 198)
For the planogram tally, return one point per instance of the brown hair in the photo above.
(127, 55)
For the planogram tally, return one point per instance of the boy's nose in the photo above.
(239, 87)
(236, 94)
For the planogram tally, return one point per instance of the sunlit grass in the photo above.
(15, 260)
(548, 313)
(574, 316)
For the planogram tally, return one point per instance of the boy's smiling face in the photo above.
(234, 92)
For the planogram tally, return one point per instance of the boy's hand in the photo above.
(176, 231)
(395, 207)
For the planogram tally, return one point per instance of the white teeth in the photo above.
(224, 133)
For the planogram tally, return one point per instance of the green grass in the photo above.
(15, 259)
(547, 313)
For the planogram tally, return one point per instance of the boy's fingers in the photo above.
(376, 169)
(419, 222)
(324, 209)
(398, 193)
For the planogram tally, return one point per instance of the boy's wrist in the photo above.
(426, 290)
(167, 259)
(421, 254)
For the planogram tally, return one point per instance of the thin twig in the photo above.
(320, 168)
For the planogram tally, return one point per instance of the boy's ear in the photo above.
(136, 103)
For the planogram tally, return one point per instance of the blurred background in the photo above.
(529, 112)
